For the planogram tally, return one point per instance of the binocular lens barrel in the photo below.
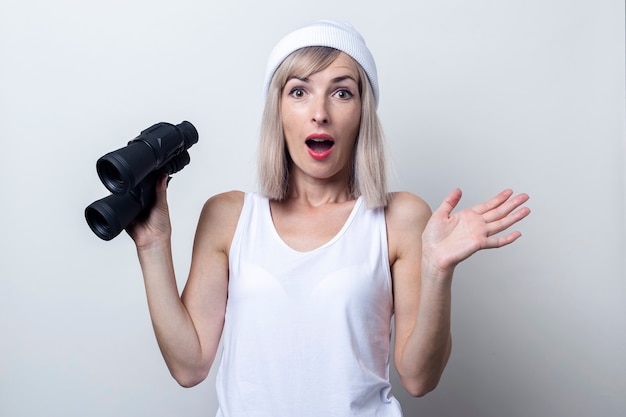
(110, 215)
(121, 170)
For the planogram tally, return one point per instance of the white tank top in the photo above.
(307, 334)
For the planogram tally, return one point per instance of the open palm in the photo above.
(451, 238)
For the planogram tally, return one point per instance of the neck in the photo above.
(315, 192)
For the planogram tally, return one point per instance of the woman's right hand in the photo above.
(156, 226)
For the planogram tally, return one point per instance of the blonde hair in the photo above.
(368, 176)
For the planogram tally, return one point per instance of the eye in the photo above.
(343, 94)
(297, 92)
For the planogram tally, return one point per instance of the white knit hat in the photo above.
(330, 33)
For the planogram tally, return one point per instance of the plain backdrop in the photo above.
(481, 94)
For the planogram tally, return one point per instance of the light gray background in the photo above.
(477, 94)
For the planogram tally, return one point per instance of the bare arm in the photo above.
(424, 250)
(188, 327)
(421, 309)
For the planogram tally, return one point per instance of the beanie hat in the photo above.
(329, 33)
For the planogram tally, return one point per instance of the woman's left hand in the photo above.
(448, 238)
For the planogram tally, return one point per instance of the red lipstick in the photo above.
(320, 145)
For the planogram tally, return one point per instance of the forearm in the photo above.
(427, 348)
(173, 326)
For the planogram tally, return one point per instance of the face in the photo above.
(321, 115)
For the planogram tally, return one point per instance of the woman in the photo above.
(302, 280)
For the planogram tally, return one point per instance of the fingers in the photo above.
(500, 206)
(498, 242)
(501, 225)
(499, 214)
(494, 209)
(493, 203)
(504, 210)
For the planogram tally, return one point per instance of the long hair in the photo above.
(368, 176)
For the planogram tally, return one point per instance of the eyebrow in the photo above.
(343, 78)
(333, 81)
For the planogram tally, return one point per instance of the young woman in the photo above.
(301, 281)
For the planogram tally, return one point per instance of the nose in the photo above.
(320, 114)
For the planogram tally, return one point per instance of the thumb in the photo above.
(449, 203)
(161, 189)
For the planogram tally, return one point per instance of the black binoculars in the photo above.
(131, 174)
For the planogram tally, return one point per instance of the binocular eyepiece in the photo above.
(131, 173)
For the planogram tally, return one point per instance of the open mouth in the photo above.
(319, 145)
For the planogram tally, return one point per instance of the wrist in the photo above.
(156, 245)
(435, 268)
(437, 259)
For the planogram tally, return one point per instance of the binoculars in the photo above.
(131, 174)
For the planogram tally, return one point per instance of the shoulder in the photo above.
(219, 218)
(406, 209)
(225, 203)
(406, 216)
